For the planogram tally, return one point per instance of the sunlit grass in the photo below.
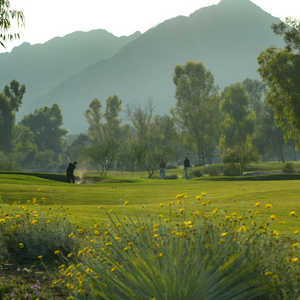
(144, 195)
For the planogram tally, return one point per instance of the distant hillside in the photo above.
(43, 66)
(227, 37)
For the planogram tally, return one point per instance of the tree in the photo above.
(237, 129)
(10, 102)
(9, 17)
(45, 123)
(269, 138)
(105, 137)
(280, 69)
(144, 153)
(94, 117)
(25, 148)
(256, 91)
(196, 110)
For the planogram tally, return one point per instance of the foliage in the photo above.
(213, 170)
(232, 169)
(8, 18)
(6, 162)
(105, 137)
(196, 173)
(10, 102)
(289, 168)
(29, 233)
(208, 254)
(45, 123)
(279, 68)
(236, 140)
(196, 109)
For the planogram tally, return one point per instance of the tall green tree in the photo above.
(10, 102)
(280, 70)
(237, 129)
(269, 137)
(94, 117)
(256, 90)
(8, 18)
(197, 108)
(46, 125)
(104, 132)
(25, 148)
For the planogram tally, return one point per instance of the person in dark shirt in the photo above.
(162, 167)
(186, 165)
(70, 172)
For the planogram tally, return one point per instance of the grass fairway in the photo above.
(145, 195)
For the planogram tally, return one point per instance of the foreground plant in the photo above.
(30, 233)
(197, 255)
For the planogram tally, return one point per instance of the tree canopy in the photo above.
(8, 18)
(280, 69)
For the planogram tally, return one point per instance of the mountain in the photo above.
(227, 37)
(42, 67)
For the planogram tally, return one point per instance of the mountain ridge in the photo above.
(226, 37)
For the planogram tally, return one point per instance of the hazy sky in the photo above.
(46, 19)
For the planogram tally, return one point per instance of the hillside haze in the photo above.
(227, 37)
(42, 67)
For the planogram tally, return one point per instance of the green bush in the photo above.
(139, 259)
(213, 170)
(196, 173)
(232, 169)
(289, 168)
(29, 233)
(173, 176)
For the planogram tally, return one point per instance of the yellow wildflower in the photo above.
(34, 221)
(257, 204)
(292, 213)
(21, 245)
(56, 252)
(242, 228)
(295, 259)
(40, 256)
(224, 234)
(272, 217)
(156, 236)
(268, 205)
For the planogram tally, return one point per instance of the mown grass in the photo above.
(174, 218)
(145, 195)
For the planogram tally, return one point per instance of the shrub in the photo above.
(288, 168)
(196, 173)
(171, 167)
(188, 259)
(213, 170)
(29, 233)
(172, 176)
(232, 169)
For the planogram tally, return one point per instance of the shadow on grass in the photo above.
(50, 176)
